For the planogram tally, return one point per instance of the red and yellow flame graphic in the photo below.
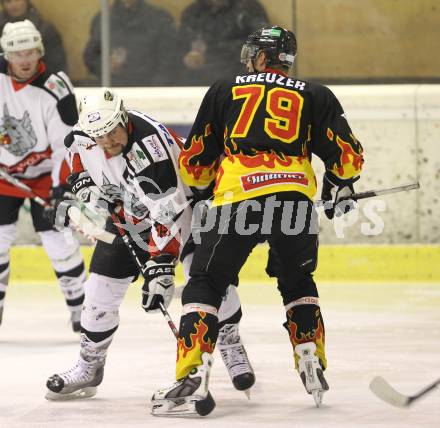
(208, 130)
(192, 172)
(220, 174)
(268, 160)
(304, 153)
(351, 160)
(330, 134)
(316, 335)
(225, 134)
(190, 356)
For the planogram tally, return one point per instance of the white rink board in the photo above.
(396, 336)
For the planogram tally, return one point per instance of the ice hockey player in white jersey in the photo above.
(37, 109)
(128, 160)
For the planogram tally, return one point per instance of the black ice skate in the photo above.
(188, 396)
(235, 358)
(311, 372)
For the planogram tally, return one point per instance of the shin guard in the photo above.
(198, 333)
(305, 324)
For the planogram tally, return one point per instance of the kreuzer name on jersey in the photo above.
(271, 78)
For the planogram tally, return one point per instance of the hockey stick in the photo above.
(373, 193)
(26, 189)
(387, 393)
(80, 221)
(127, 242)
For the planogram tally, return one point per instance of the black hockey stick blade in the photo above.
(382, 389)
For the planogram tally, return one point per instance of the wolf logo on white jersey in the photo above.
(18, 134)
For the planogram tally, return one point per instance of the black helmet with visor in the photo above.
(278, 44)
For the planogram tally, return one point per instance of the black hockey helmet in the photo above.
(278, 44)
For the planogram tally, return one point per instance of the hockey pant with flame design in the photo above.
(63, 252)
(223, 251)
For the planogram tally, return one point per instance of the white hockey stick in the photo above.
(81, 222)
(387, 393)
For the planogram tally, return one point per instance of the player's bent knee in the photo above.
(103, 296)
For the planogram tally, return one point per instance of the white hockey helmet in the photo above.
(20, 36)
(101, 113)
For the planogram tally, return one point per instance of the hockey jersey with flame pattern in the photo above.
(144, 178)
(35, 116)
(255, 134)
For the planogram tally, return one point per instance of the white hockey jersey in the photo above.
(35, 116)
(144, 177)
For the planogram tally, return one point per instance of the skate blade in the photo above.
(317, 396)
(248, 393)
(77, 395)
(184, 407)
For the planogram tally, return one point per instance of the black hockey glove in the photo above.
(159, 283)
(82, 186)
(336, 195)
(56, 214)
(86, 191)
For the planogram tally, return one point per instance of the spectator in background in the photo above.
(143, 38)
(211, 33)
(19, 10)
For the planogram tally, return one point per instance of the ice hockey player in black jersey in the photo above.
(37, 109)
(254, 136)
(130, 161)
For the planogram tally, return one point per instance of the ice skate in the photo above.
(79, 382)
(75, 319)
(188, 396)
(235, 358)
(311, 371)
(1, 314)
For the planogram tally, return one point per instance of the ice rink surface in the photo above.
(391, 330)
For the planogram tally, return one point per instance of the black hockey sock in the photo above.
(305, 324)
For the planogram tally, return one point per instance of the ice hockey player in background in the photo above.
(254, 135)
(37, 109)
(130, 161)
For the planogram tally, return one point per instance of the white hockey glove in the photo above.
(337, 191)
(159, 283)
